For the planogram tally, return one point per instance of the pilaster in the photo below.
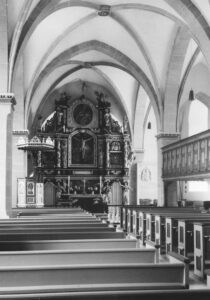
(19, 162)
(138, 155)
(7, 102)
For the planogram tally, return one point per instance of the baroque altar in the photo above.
(90, 149)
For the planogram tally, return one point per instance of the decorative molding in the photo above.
(166, 135)
(7, 95)
(71, 122)
(138, 151)
(188, 140)
(7, 98)
(104, 10)
(20, 132)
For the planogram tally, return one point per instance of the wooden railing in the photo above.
(188, 158)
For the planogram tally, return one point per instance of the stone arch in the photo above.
(198, 79)
(196, 22)
(44, 8)
(173, 79)
(132, 68)
(54, 84)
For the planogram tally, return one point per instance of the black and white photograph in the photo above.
(105, 149)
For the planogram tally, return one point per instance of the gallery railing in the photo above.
(188, 158)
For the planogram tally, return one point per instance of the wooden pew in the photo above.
(142, 227)
(162, 227)
(101, 216)
(54, 226)
(33, 245)
(112, 294)
(201, 248)
(135, 223)
(171, 235)
(160, 234)
(186, 236)
(154, 227)
(48, 230)
(59, 217)
(60, 235)
(75, 257)
(130, 220)
(97, 277)
(150, 227)
(172, 229)
(124, 219)
(139, 213)
(40, 221)
(45, 211)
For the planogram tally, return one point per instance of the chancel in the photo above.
(105, 149)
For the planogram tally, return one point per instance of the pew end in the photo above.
(175, 258)
(150, 244)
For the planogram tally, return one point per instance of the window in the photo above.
(198, 186)
(198, 122)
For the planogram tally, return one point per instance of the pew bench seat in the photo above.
(80, 256)
(52, 226)
(51, 292)
(93, 277)
(51, 230)
(115, 294)
(60, 235)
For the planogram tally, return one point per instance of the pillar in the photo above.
(19, 164)
(138, 155)
(163, 139)
(3, 47)
(6, 111)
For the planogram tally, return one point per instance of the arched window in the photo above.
(198, 117)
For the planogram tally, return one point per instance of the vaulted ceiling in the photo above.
(129, 48)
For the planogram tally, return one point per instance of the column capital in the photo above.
(7, 98)
(166, 135)
(164, 138)
(138, 150)
(138, 155)
(23, 132)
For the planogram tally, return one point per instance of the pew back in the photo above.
(31, 245)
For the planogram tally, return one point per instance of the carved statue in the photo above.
(102, 106)
(125, 124)
(59, 113)
(126, 189)
(50, 124)
(107, 121)
(106, 191)
(59, 190)
(64, 153)
(116, 126)
(102, 103)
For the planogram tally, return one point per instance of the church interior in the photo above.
(105, 149)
